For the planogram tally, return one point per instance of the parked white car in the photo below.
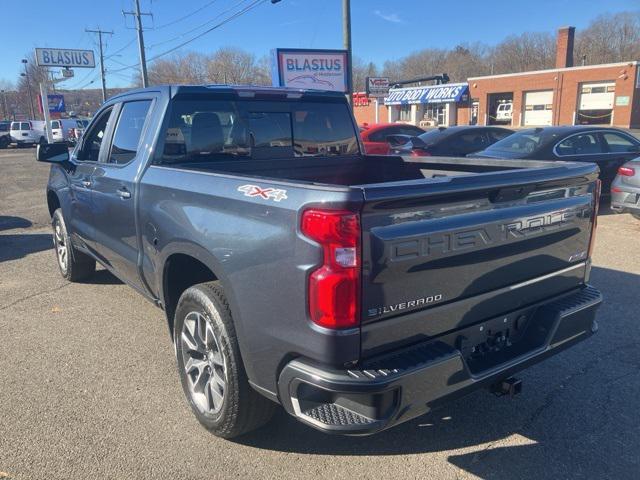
(28, 132)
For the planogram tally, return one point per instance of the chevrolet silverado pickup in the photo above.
(356, 291)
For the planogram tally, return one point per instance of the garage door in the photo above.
(538, 108)
(596, 103)
(597, 96)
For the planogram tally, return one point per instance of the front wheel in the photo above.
(74, 265)
(4, 142)
(211, 370)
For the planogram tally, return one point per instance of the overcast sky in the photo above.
(382, 29)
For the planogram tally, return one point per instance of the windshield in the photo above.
(55, 124)
(210, 130)
(521, 143)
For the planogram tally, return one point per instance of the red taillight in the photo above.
(420, 153)
(626, 171)
(334, 287)
(594, 221)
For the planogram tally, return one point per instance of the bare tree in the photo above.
(360, 72)
(524, 52)
(609, 38)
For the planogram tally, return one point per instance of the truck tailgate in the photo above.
(442, 255)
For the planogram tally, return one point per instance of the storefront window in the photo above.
(405, 113)
(434, 113)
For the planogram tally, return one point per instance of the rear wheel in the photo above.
(4, 141)
(74, 265)
(211, 370)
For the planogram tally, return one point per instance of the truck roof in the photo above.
(240, 90)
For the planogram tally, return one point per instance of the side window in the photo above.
(468, 142)
(381, 135)
(581, 144)
(496, 135)
(409, 130)
(128, 131)
(93, 138)
(619, 143)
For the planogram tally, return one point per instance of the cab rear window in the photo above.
(211, 130)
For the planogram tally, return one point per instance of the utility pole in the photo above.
(346, 36)
(26, 75)
(104, 85)
(4, 105)
(143, 60)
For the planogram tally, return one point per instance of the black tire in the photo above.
(77, 266)
(4, 142)
(241, 409)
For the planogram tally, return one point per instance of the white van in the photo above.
(504, 113)
(63, 129)
(28, 132)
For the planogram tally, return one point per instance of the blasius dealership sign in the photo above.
(431, 94)
(312, 69)
(62, 57)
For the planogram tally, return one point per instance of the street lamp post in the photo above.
(26, 75)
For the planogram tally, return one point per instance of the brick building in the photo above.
(565, 95)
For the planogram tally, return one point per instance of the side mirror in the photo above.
(53, 153)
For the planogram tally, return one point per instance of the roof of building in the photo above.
(553, 70)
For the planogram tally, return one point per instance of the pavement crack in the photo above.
(28, 297)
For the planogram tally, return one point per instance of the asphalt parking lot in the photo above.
(88, 387)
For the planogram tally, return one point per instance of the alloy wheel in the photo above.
(204, 363)
(62, 252)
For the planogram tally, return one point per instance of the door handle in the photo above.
(124, 193)
(86, 183)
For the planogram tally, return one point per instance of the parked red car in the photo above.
(375, 136)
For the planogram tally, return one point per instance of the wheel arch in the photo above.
(53, 201)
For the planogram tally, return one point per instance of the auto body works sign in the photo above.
(430, 94)
(63, 57)
(312, 69)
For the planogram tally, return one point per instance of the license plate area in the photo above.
(501, 339)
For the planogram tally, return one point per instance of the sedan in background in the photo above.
(449, 142)
(625, 190)
(374, 137)
(609, 148)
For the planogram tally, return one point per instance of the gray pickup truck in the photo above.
(355, 291)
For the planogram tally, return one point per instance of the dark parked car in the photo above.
(609, 148)
(375, 137)
(356, 291)
(450, 141)
(625, 190)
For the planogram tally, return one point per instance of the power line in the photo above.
(185, 16)
(218, 25)
(120, 49)
(184, 34)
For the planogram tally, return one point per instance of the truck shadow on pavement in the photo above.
(576, 417)
(15, 246)
(9, 222)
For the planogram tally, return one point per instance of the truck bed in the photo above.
(362, 170)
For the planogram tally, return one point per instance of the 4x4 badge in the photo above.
(275, 194)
